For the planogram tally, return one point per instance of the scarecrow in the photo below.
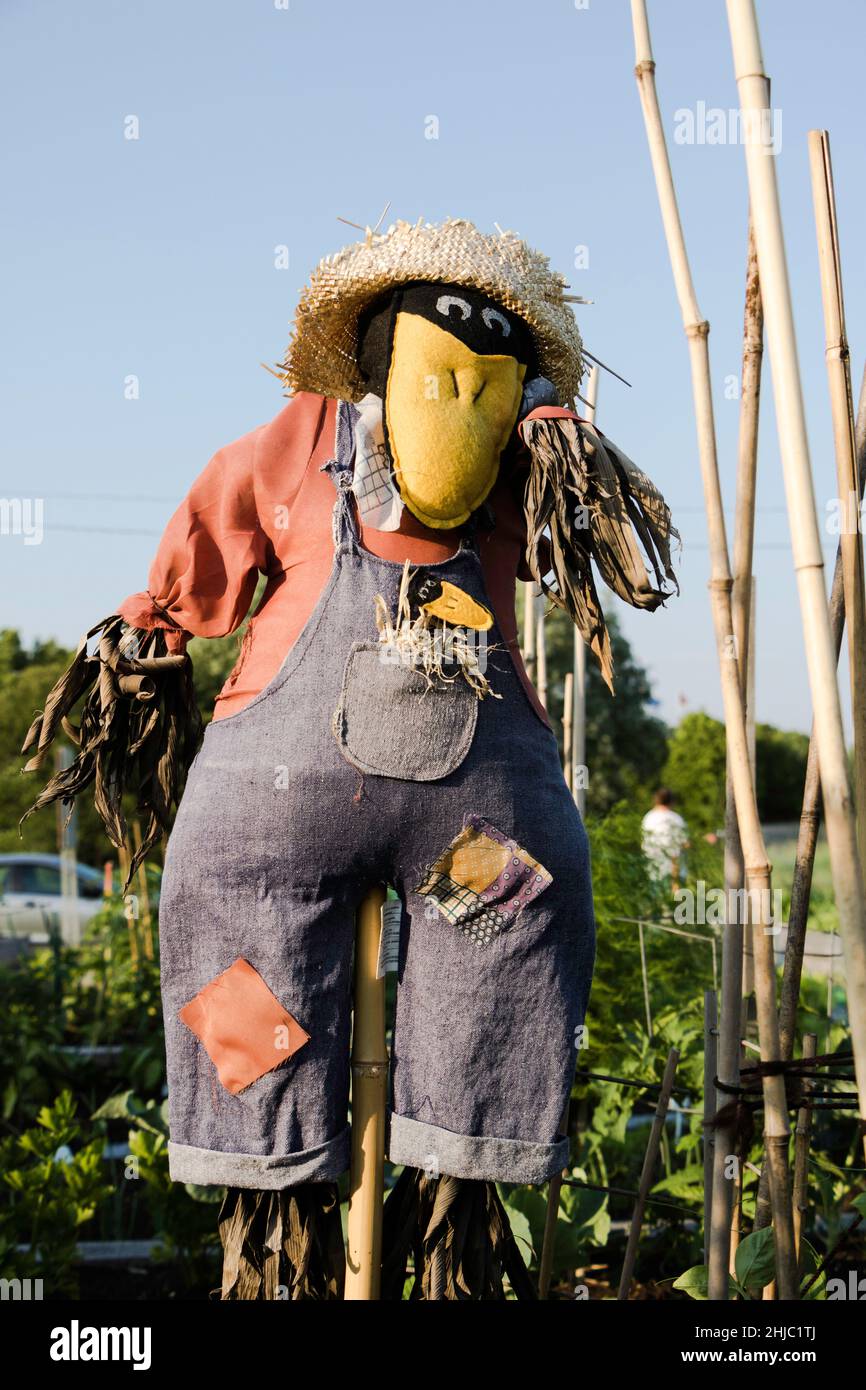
(378, 726)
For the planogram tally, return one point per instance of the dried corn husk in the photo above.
(587, 503)
(138, 733)
(286, 1244)
(457, 1231)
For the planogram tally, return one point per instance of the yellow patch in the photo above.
(457, 607)
(474, 861)
(449, 412)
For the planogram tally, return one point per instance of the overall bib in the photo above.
(345, 771)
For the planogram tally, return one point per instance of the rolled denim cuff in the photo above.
(211, 1167)
(438, 1151)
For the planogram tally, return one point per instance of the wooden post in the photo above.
(646, 1177)
(757, 866)
(805, 533)
(801, 1147)
(369, 1091)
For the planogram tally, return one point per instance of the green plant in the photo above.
(754, 1266)
(53, 1188)
(183, 1215)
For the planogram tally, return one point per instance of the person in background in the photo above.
(665, 838)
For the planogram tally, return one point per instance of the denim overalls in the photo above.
(345, 771)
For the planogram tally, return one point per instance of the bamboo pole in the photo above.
(568, 730)
(146, 914)
(842, 410)
(646, 1177)
(744, 525)
(369, 1088)
(743, 593)
(131, 918)
(810, 823)
(748, 930)
(810, 817)
(551, 1216)
(737, 960)
(578, 756)
(530, 613)
(805, 536)
(801, 1147)
(541, 651)
(776, 1127)
(554, 1188)
(711, 1033)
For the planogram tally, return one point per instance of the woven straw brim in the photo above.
(321, 356)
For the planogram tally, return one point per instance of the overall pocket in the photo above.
(391, 722)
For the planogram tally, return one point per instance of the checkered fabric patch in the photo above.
(483, 880)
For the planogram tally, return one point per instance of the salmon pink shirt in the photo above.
(263, 505)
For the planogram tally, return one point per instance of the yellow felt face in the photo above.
(449, 412)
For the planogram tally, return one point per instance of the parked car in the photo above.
(31, 898)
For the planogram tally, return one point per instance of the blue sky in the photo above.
(260, 125)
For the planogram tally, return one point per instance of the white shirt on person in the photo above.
(665, 836)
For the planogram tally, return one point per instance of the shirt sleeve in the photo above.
(204, 576)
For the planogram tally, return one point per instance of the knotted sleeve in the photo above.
(203, 577)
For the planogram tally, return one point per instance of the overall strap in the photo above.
(344, 525)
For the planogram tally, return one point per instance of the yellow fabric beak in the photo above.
(449, 413)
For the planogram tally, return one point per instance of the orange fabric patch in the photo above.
(244, 1029)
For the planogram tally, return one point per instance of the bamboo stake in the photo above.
(744, 526)
(842, 409)
(567, 730)
(554, 1188)
(530, 607)
(737, 960)
(711, 1033)
(548, 1242)
(146, 914)
(810, 822)
(748, 931)
(805, 535)
(541, 652)
(578, 756)
(123, 860)
(646, 1177)
(801, 1147)
(369, 1088)
(776, 1127)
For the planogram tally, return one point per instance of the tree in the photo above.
(780, 758)
(626, 744)
(26, 676)
(695, 771)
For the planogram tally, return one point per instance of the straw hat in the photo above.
(321, 356)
